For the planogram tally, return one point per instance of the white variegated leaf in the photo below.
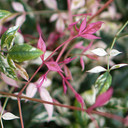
(118, 66)
(9, 81)
(99, 52)
(17, 6)
(114, 52)
(20, 20)
(9, 116)
(51, 4)
(44, 94)
(31, 90)
(97, 69)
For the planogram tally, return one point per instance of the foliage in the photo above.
(68, 55)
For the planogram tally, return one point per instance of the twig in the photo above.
(100, 10)
(20, 112)
(108, 115)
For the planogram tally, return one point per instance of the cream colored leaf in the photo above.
(97, 69)
(9, 116)
(118, 66)
(114, 52)
(22, 72)
(99, 52)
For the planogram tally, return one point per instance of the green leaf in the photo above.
(6, 69)
(8, 37)
(11, 62)
(20, 53)
(4, 14)
(103, 82)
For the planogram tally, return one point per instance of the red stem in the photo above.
(30, 80)
(20, 112)
(100, 10)
(108, 115)
(65, 42)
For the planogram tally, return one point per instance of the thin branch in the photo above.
(30, 80)
(100, 10)
(20, 112)
(108, 115)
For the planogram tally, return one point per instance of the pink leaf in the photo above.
(80, 99)
(71, 25)
(68, 73)
(60, 26)
(93, 57)
(54, 17)
(44, 94)
(82, 63)
(64, 87)
(41, 45)
(88, 47)
(9, 81)
(43, 81)
(39, 29)
(93, 27)
(67, 60)
(20, 20)
(53, 66)
(82, 26)
(89, 36)
(126, 121)
(101, 99)
(79, 45)
(17, 6)
(31, 90)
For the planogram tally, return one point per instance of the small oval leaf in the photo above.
(4, 14)
(118, 66)
(20, 53)
(99, 52)
(114, 52)
(97, 69)
(9, 116)
(8, 37)
(103, 82)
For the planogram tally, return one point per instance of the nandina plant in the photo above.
(58, 62)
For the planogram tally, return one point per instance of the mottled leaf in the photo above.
(22, 72)
(11, 62)
(9, 81)
(118, 66)
(103, 82)
(4, 13)
(6, 69)
(8, 37)
(20, 53)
